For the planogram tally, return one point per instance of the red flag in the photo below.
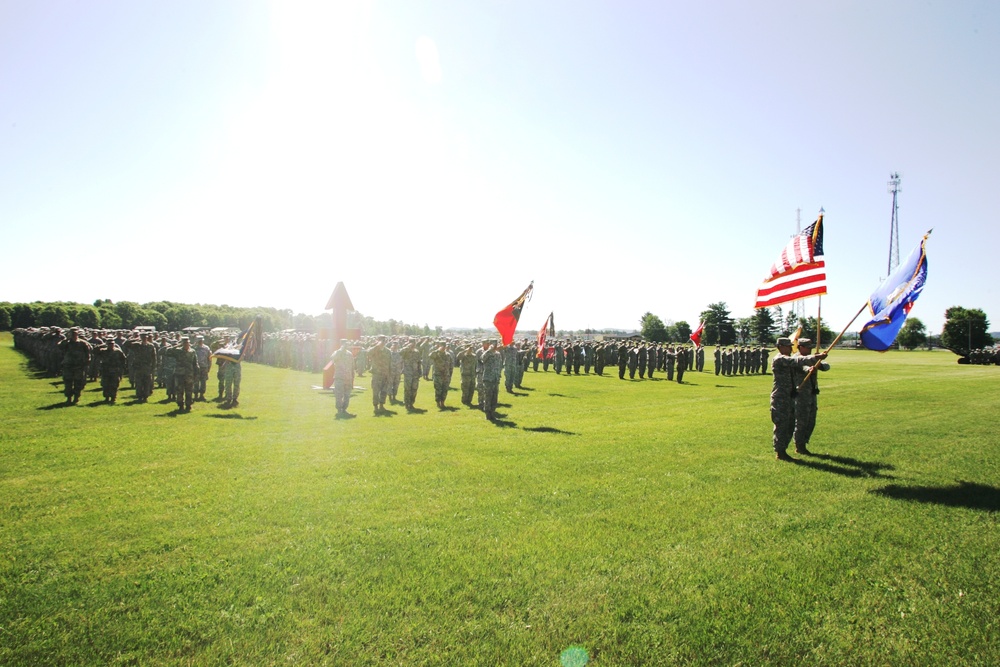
(800, 270)
(506, 320)
(696, 334)
(548, 329)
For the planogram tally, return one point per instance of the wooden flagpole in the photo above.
(812, 369)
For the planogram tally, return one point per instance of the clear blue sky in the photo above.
(437, 156)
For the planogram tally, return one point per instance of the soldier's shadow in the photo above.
(503, 423)
(412, 411)
(56, 406)
(963, 494)
(846, 466)
(548, 429)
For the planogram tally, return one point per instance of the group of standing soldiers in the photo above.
(741, 360)
(171, 361)
(484, 364)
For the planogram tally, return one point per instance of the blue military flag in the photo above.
(892, 301)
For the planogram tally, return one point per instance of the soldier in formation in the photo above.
(112, 368)
(343, 378)
(75, 364)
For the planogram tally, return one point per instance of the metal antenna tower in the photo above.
(894, 231)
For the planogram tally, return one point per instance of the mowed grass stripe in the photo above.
(645, 521)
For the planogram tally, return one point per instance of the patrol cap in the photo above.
(806, 341)
(185, 339)
(783, 341)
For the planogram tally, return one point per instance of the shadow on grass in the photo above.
(415, 411)
(846, 466)
(864, 468)
(563, 396)
(448, 408)
(230, 415)
(516, 393)
(964, 494)
(56, 406)
(503, 423)
(549, 429)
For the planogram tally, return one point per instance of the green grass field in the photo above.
(643, 523)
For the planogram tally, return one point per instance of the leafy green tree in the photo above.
(792, 322)
(55, 316)
(719, 329)
(129, 312)
(22, 316)
(683, 331)
(809, 331)
(763, 326)
(5, 318)
(913, 334)
(965, 329)
(652, 328)
(110, 319)
(87, 316)
(743, 330)
(152, 318)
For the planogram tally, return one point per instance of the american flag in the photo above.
(799, 272)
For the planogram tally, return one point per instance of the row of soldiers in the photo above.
(404, 361)
(407, 361)
(985, 356)
(169, 360)
(741, 360)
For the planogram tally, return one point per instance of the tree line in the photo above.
(170, 316)
(965, 329)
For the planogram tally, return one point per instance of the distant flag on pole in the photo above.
(892, 301)
(696, 334)
(506, 320)
(799, 272)
(548, 329)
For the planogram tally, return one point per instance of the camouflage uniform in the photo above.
(75, 363)
(783, 393)
(509, 367)
(204, 353)
(185, 371)
(112, 369)
(492, 364)
(805, 399)
(232, 375)
(442, 365)
(380, 362)
(467, 362)
(411, 374)
(343, 377)
(142, 363)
